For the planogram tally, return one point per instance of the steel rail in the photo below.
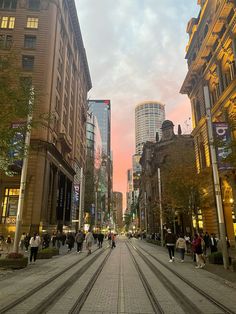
(39, 287)
(83, 297)
(154, 302)
(53, 297)
(196, 288)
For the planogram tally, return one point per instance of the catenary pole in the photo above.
(160, 203)
(81, 198)
(216, 179)
(23, 176)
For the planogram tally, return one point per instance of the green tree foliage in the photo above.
(15, 94)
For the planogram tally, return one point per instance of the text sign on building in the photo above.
(223, 139)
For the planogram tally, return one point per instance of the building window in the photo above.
(8, 22)
(10, 203)
(8, 4)
(28, 62)
(5, 41)
(30, 42)
(32, 22)
(34, 5)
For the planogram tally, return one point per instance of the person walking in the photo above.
(70, 240)
(89, 242)
(27, 242)
(8, 243)
(79, 238)
(213, 243)
(113, 240)
(100, 239)
(22, 241)
(181, 246)
(170, 239)
(34, 246)
(197, 249)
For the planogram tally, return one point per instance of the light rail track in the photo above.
(44, 304)
(154, 302)
(209, 298)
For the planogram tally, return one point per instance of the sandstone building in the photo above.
(47, 37)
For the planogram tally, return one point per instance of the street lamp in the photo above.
(216, 180)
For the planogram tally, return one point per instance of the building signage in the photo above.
(223, 139)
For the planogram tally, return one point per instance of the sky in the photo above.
(136, 52)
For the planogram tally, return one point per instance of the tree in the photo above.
(15, 92)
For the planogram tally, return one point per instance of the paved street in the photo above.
(125, 283)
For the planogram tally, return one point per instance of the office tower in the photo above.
(149, 117)
(102, 110)
(47, 39)
(118, 209)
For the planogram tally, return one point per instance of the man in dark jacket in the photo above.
(79, 240)
(170, 240)
(100, 239)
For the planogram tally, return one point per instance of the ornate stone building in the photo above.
(173, 154)
(211, 55)
(47, 37)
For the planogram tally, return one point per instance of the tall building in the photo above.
(47, 39)
(93, 180)
(102, 110)
(118, 209)
(211, 57)
(149, 117)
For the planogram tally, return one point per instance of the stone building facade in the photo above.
(47, 37)
(211, 56)
(170, 154)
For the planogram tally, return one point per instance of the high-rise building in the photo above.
(149, 117)
(118, 209)
(47, 39)
(93, 180)
(102, 110)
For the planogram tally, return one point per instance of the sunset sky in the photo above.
(136, 52)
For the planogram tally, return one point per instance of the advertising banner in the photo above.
(223, 139)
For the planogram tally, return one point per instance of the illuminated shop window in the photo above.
(10, 203)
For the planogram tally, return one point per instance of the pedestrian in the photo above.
(109, 238)
(181, 246)
(206, 239)
(100, 239)
(1, 242)
(8, 243)
(198, 250)
(22, 241)
(113, 240)
(79, 239)
(170, 239)
(70, 240)
(34, 246)
(27, 242)
(53, 239)
(89, 241)
(213, 243)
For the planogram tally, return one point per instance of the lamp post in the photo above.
(23, 175)
(216, 180)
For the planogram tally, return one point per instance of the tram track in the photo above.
(54, 295)
(169, 284)
(151, 295)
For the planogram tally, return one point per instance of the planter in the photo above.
(216, 258)
(47, 253)
(13, 263)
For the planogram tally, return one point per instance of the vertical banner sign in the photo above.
(223, 139)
